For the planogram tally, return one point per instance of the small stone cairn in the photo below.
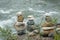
(29, 31)
(20, 27)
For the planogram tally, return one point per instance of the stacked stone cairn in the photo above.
(30, 28)
(48, 27)
(20, 26)
(32, 32)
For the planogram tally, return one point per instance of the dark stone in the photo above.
(21, 32)
(29, 25)
(30, 22)
(44, 35)
(29, 28)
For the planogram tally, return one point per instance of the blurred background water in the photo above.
(38, 8)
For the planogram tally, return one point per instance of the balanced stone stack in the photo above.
(48, 28)
(33, 33)
(30, 23)
(20, 26)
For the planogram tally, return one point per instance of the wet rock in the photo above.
(35, 37)
(22, 32)
(47, 24)
(20, 26)
(36, 31)
(31, 34)
(20, 17)
(22, 37)
(47, 38)
(30, 28)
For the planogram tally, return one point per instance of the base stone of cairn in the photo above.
(34, 35)
(22, 37)
(47, 38)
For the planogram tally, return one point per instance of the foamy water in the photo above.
(8, 22)
(13, 19)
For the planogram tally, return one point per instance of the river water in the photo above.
(38, 8)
